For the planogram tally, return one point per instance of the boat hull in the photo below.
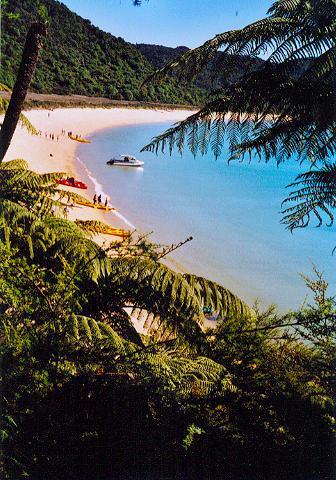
(125, 164)
(77, 139)
(95, 205)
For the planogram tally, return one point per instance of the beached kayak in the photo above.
(97, 226)
(71, 182)
(95, 205)
(119, 232)
(79, 139)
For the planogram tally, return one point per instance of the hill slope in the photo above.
(235, 66)
(158, 56)
(82, 59)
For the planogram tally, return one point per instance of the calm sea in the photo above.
(231, 211)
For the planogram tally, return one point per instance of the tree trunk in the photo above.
(35, 36)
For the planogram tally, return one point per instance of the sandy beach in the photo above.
(59, 155)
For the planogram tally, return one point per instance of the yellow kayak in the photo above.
(95, 205)
(119, 232)
(78, 139)
(97, 226)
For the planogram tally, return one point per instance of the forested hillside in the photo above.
(159, 55)
(80, 58)
(235, 65)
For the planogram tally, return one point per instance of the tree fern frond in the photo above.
(26, 123)
(91, 330)
(195, 376)
(4, 88)
(15, 164)
(315, 197)
(279, 108)
(23, 120)
(94, 226)
(71, 196)
(221, 300)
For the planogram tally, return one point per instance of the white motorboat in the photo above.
(125, 161)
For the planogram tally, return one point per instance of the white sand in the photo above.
(46, 155)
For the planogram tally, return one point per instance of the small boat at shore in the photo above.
(97, 226)
(125, 161)
(119, 232)
(71, 182)
(95, 205)
(79, 139)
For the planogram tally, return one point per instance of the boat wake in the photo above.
(98, 188)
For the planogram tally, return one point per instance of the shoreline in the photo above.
(60, 155)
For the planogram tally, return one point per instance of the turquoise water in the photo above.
(232, 212)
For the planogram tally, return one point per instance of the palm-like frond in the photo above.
(37, 192)
(86, 329)
(48, 238)
(151, 287)
(187, 375)
(93, 226)
(15, 164)
(168, 302)
(278, 108)
(4, 88)
(314, 195)
(219, 299)
(24, 121)
(194, 376)
(71, 196)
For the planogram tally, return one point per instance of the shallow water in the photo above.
(232, 212)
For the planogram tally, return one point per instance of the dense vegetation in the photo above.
(159, 56)
(82, 59)
(236, 66)
(84, 395)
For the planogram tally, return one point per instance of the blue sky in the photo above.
(169, 22)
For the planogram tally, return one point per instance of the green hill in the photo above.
(235, 65)
(79, 58)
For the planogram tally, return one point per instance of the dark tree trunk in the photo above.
(35, 36)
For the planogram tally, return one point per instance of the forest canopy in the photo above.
(79, 58)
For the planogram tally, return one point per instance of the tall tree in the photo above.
(34, 40)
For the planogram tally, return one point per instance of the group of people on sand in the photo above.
(54, 136)
(51, 136)
(75, 135)
(98, 200)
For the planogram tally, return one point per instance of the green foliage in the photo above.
(314, 195)
(79, 58)
(85, 395)
(191, 432)
(280, 109)
(23, 120)
(249, 393)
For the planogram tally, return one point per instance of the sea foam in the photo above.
(98, 189)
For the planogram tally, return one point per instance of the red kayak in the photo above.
(71, 182)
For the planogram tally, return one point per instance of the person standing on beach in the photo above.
(95, 199)
(99, 199)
